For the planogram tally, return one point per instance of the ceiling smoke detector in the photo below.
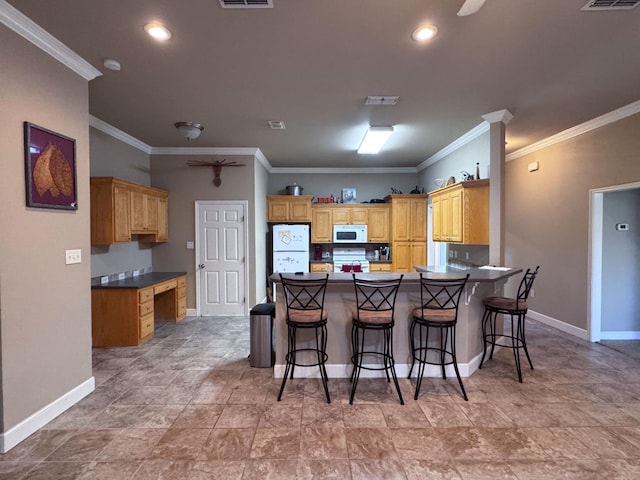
(381, 100)
(246, 3)
(276, 124)
(189, 130)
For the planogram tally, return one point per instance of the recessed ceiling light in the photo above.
(424, 33)
(157, 31)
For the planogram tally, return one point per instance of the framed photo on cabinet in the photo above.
(348, 195)
(50, 169)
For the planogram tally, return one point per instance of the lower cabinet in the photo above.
(320, 267)
(379, 267)
(407, 254)
(126, 316)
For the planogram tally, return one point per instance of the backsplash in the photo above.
(116, 276)
(467, 255)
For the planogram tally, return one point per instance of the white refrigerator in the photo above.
(290, 248)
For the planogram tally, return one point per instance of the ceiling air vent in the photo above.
(600, 5)
(246, 3)
(276, 124)
(381, 100)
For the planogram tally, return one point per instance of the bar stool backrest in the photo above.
(305, 294)
(376, 295)
(526, 284)
(441, 294)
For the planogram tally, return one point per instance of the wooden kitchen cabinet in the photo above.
(378, 224)
(347, 215)
(120, 208)
(460, 213)
(379, 267)
(409, 231)
(126, 316)
(289, 208)
(320, 267)
(321, 225)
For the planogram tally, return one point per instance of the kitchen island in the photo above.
(340, 303)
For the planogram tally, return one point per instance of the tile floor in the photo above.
(186, 405)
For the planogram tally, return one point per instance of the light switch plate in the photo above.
(190, 245)
(73, 256)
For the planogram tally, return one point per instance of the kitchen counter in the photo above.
(340, 302)
(141, 281)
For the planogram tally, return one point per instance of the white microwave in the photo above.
(349, 234)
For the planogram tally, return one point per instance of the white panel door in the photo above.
(221, 258)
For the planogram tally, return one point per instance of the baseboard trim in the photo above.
(622, 335)
(560, 325)
(30, 425)
(402, 370)
(191, 312)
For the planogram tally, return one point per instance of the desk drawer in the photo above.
(146, 325)
(165, 286)
(181, 292)
(145, 295)
(146, 308)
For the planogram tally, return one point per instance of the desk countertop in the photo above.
(141, 281)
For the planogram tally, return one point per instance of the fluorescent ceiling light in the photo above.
(374, 139)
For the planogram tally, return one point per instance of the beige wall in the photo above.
(112, 158)
(186, 185)
(261, 179)
(547, 212)
(45, 306)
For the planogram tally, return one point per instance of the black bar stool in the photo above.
(516, 308)
(439, 310)
(305, 310)
(375, 303)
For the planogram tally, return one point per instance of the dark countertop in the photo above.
(475, 275)
(141, 281)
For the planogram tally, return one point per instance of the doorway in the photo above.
(614, 263)
(221, 258)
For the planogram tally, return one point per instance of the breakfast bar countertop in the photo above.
(141, 281)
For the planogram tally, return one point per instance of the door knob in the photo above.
(201, 265)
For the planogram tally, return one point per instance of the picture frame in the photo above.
(50, 169)
(348, 195)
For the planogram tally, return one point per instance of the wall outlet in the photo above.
(121, 276)
(532, 293)
(136, 273)
(73, 256)
(466, 255)
(104, 279)
(190, 245)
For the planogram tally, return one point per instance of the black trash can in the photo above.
(260, 335)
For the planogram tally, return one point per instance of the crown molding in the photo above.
(118, 134)
(343, 171)
(585, 127)
(31, 31)
(504, 116)
(455, 145)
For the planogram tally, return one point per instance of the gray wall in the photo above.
(186, 185)
(112, 158)
(621, 262)
(464, 158)
(261, 178)
(45, 305)
(547, 212)
(367, 185)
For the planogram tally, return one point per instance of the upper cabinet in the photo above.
(289, 208)
(460, 213)
(120, 208)
(325, 216)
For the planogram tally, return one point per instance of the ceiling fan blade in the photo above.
(470, 7)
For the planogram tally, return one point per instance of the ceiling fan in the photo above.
(470, 7)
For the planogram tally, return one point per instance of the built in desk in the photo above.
(123, 312)
(340, 303)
